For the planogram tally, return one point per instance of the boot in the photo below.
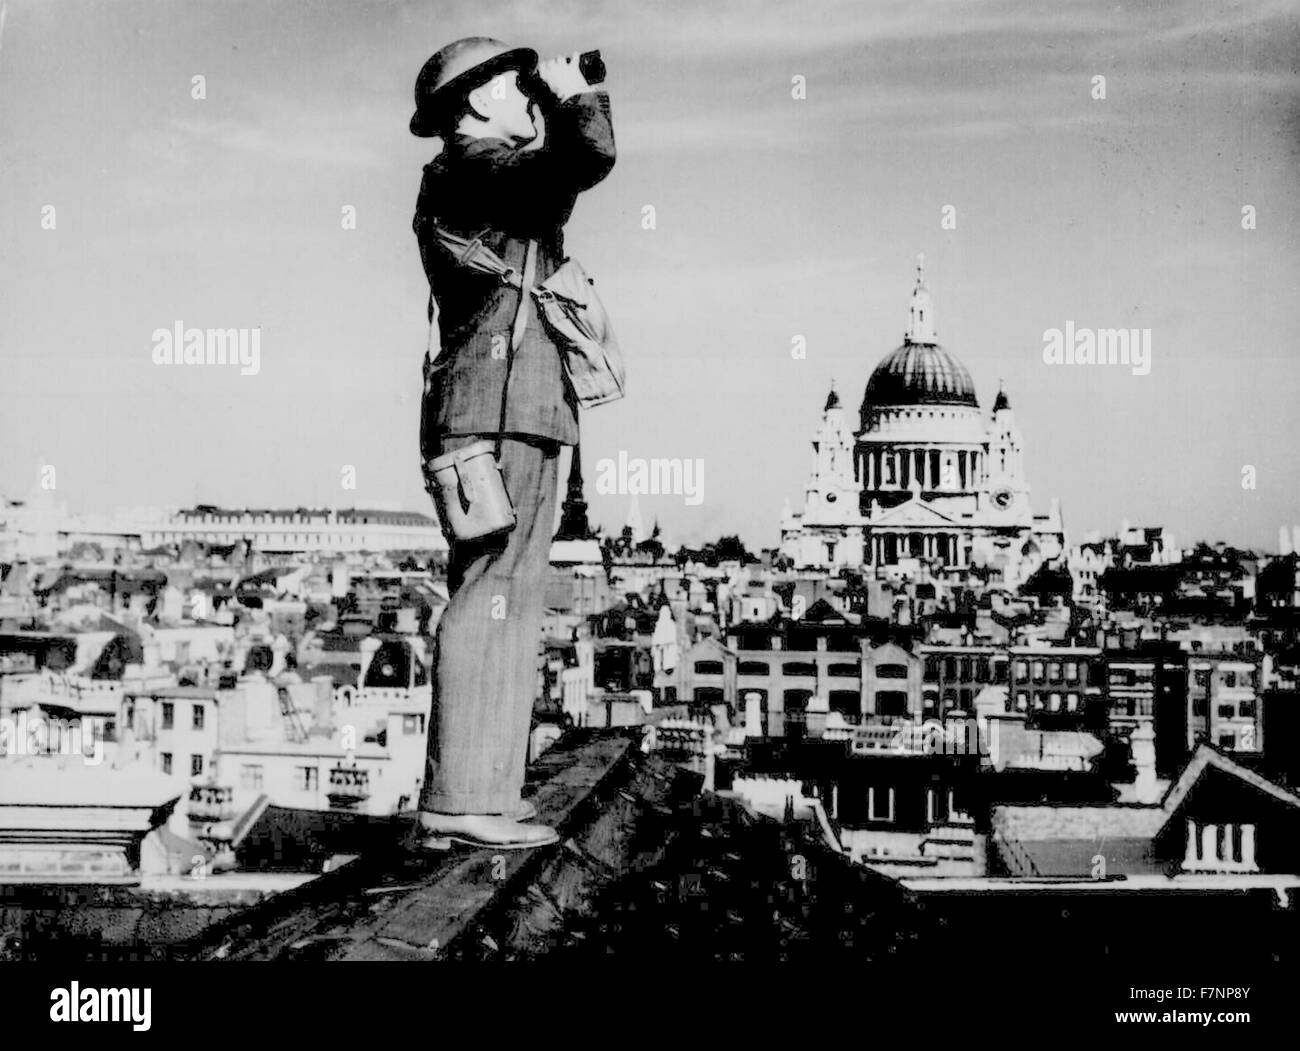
(491, 831)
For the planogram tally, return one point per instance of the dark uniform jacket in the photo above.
(490, 188)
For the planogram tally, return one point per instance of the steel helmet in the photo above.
(455, 70)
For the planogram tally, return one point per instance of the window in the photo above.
(1072, 702)
(1040, 671)
(1022, 701)
(846, 702)
(1246, 709)
(198, 717)
(1038, 702)
(196, 765)
(110, 729)
(1200, 707)
(1229, 678)
(800, 668)
(950, 668)
(413, 724)
(1226, 711)
(937, 805)
(708, 667)
(842, 671)
(1055, 703)
(1072, 671)
(752, 668)
(891, 671)
(931, 669)
(1228, 742)
(942, 805)
(880, 804)
(166, 759)
(306, 777)
(168, 714)
(796, 700)
(1022, 669)
(250, 776)
(891, 702)
(1054, 671)
(1202, 678)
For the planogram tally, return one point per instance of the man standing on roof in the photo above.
(521, 141)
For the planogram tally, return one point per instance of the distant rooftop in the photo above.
(354, 515)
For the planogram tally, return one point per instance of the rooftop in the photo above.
(387, 903)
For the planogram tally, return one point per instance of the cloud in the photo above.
(283, 129)
(752, 31)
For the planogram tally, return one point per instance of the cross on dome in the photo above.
(920, 324)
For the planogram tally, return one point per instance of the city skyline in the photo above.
(776, 217)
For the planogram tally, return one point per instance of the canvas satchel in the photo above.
(572, 312)
(578, 322)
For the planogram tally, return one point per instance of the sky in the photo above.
(776, 217)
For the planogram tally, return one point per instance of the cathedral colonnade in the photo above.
(900, 466)
(886, 547)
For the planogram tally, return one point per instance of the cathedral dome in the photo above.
(920, 374)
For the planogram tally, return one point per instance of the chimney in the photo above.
(323, 709)
(1143, 745)
(753, 714)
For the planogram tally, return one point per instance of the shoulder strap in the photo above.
(472, 253)
(517, 333)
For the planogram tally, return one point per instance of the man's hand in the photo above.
(563, 76)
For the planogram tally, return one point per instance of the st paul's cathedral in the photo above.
(925, 478)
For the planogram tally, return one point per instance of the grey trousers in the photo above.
(486, 645)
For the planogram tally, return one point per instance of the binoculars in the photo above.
(592, 67)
